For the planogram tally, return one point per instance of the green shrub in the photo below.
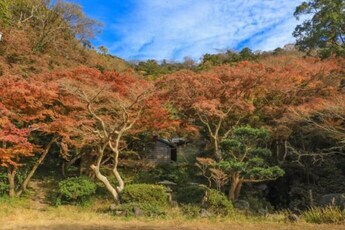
(4, 187)
(145, 194)
(20, 176)
(214, 201)
(326, 215)
(258, 203)
(190, 210)
(170, 172)
(190, 194)
(149, 210)
(217, 203)
(76, 190)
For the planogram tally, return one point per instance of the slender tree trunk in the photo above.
(106, 182)
(217, 153)
(116, 152)
(66, 165)
(63, 169)
(285, 150)
(119, 179)
(233, 188)
(102, 178)
(238, 190)
(34, 168)
(116, 172)
(11, 173)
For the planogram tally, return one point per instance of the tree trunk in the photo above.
(233, 188)
(67, 164)
(63, 169)
(34, 168)
(238, 190)
(106, 182)
(116, 162)
(11, 173)
(119, 179)
(217, 153)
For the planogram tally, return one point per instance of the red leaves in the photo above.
(216, 93)
(14, 143)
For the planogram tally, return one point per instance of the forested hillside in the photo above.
(37, 38)
(232, 135)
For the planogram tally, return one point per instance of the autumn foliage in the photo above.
(83, 112)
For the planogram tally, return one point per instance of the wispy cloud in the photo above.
(165, 29)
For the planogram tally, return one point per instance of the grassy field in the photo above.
(23, 214)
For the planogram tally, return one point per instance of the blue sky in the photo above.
(174, 29)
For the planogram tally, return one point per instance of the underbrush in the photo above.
(77, 190)
(143, 200)
(196, 197)
(326, 215)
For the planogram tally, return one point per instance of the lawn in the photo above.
(23, 214)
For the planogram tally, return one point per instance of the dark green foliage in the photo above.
(76, 190)
(145, 194)
(3, 184)
(218, 204)
(170, 172)
(325, 30)
(19, 178)
(212, 200)
(152, 69)
(228, 57)
(258, 203)
(242, 153)
(150, 199)
(190, 194)
(245, 160)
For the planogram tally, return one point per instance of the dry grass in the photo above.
(19, 214)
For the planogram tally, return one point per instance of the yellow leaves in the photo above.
(205, 161)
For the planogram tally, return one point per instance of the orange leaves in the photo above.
(211, 107)
(268, 88)
(201, 162)
(23, 98)
(214, 94)
(21, 104)
(14, 143)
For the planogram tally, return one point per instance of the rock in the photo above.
(334, 199)
(293, 218)
(204, 213)
(262, 187)
(263, 212)
(241, 205)
(138, 212)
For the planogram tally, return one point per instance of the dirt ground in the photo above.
(159, 225)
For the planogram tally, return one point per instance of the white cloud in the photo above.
(165, 29)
